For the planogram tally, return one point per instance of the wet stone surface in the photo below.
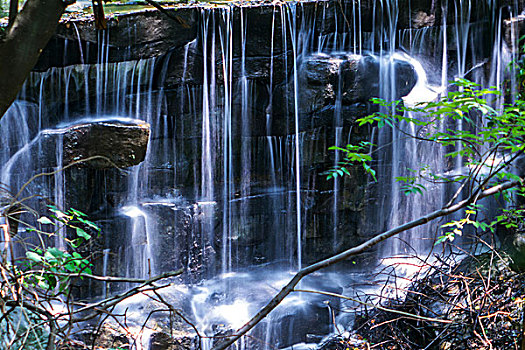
(108, 144)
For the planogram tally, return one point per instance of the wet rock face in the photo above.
(172, 85)
(352, 79)
(105, 338)
(512, 238)
(111, 144)
(163, 341)
(149, 33)
(130, 36)
(422, 19)
(519, 244)
(513, 28)
(513, 243)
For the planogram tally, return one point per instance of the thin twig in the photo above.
(376, 306)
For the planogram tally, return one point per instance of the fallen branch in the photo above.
(288, 288)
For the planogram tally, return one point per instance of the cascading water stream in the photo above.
(60, 186)
(462, 12)
(246, 140)
(291, 12)
(207, 190)
(249, 196)
(226, 40)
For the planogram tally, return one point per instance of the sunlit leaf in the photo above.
(45, 221)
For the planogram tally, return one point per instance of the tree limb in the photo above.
(98, 13)
(288, 288)
(25, 39)
(102, 278)
(13, 11)
(119, 297)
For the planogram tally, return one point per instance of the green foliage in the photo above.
(73, 219)
(488, 141)
(501, 129)
(352, 154)
(52, 262)
(511, 218)
(51, 268)
(455, 227)
(409, 183)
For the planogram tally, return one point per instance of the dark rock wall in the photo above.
(253, 215)
(151, 33)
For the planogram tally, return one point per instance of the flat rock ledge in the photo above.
(108, 144)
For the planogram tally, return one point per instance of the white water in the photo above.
(230, 199)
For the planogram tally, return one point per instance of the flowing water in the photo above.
(231, 188)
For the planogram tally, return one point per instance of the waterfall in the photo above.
(60, 186)
(291, 12)
(226, 41)
(242, 114)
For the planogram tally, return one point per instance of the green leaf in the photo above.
(77, 212)
(59, 213)
(441, 239)
(34, 256)
(89, 223)
(75, 243)
(55, 252)
(50, 258)
(51, 281)
(42, 282)
(71, 266)
(45, 221)
(82, 233)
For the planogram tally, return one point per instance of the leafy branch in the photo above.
(352, 154)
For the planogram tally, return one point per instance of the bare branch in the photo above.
(104, 278)
(109, 302)
(378, 306)
(288, 288)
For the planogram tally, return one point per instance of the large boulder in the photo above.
(352, 79)
(111, 143)
(85, 147)
(107, 144)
